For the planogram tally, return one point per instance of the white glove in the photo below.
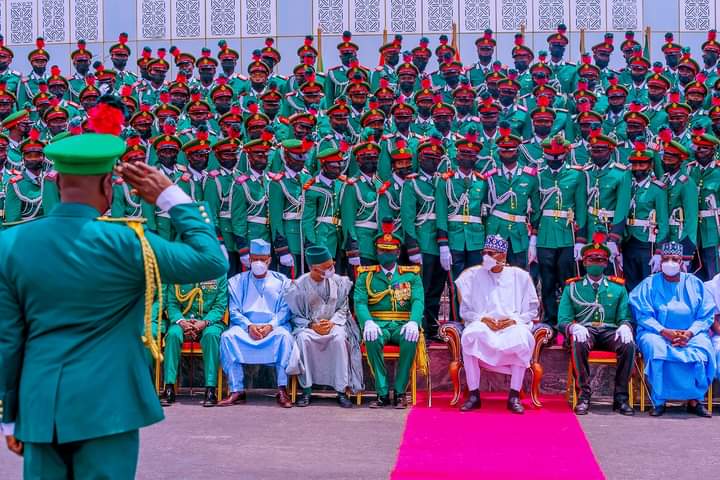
(354, 261)
(532, 250)
(245, 260)
(655, 262)
(371, 332)
(287, 260)
(224, 250)
(445, 258)
(580, 334)
(624, 334)
(614, 252)
(576, 251)
(416, 259)
(410, 331)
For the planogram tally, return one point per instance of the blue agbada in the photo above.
(256, 301)
(675, 373)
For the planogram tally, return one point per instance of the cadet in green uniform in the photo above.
(337, 77)
(513, 196)
(401, 158)
(636, 126)
(562, 222)
(695, 94)
(389, 59)
(61, 348)
(125, 203)
(658, 85)
(513, 113)
(522, 58)
(594, 314)
(286, 206)
(81, 61)
(614, 123)
(197, 152)
(562, 71)
(647, 222)
(389, 308)
(167, 146)
(10, 78)
(26, 195)
(423, 100)
(157, 68)
(30, 85)
(402, 117)
(485, 46)
(119, 54)
(195, 312)
(704, 171)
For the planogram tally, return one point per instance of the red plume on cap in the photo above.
(596, 132)
(640, 146)
(123, 38)
(253, 108)
(497, 66)
(308, 60)
(407, 57)
(519, 39)
(81, 44)
(307, 143)
(582, 85)
(629, 35)
(133, 141)
(674, 97)
(100, 68)
(206, 52)
(55, 71)
(487, 35)
(269, 41)
(583, 106)
(512, 74)
(443, 40)
(613, 81)
(343, 146)
(712, 34)
(202, 135)
(599, 238)
(665, 135)
(388, 227)
(637, 53)
(354, 63)
(256, 56)
(635, 107)
(341, 102)
(400, 144)
(145, 107)
(424, 42)
(161, 53)
(312, 111)
(222, 80)
(542, 56)
(126, 91)
(2, 41)
(169, 128)
(43, 87)
(75, 129)
(669, 37)
(425, 83)
(487, 101)
(504, 131)
(175, 51)
(310, 77)
(586, 58)
(561, 28)
(147, 54)
(90, 80)
(165, 97)
(471, 137)
(373, 104)
(700, 77)
(657, 69)
(181, 78)
(384, 83)
(437, 98)
(54, 102)
(104, 118)
(347, 36)
(235, 110)
(34, 134)
(686, 55)
(541, 81)
(195, 97)
(543, 101)
(266, 136)
(308, 40)
(716, 101)
(40, 43)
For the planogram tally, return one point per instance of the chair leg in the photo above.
(454, 370)
(413, 386)
(537, 374)
(293, 388)
(158, 365)
(220, 384)
(710, 399)
(642, 386)
(359, 398)
(631, 393)
(428, 381)
(568, 383)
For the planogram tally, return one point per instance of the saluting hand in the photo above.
(147, 181)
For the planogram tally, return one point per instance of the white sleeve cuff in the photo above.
(171, 196)
(7, 429)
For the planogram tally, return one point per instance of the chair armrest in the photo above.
(542, 333)
(450, 333)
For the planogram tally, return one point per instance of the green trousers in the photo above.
(113, 457)
(209, 343)
(390, 333)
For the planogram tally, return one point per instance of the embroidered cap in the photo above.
(671, 248)
(496, 243)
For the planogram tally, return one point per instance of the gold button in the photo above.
(207, 220)
(201, 208)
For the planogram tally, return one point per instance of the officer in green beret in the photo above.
(68, 348)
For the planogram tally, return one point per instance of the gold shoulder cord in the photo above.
(375, 297)
(190, 299)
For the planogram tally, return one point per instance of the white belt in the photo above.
(225, 214)
(331, 220)
(556, 213)
(257, 219)
(708, 213)
(367, 224)
(292, 216)
(424, 217)
(602, 213)
(509, 217)
(674, 222)
(464, 218)
(636, 222)
(163, 214)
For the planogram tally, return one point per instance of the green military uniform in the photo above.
(249, 210)
(459, 209)
(321, 213)
(203, 301)
(12, 80)
(707, 179)
(28, 198)
(126, 204)
(359, 211)
(163, 222)
(218, 195)
(608, 197)
(61, 349)
(682, 192)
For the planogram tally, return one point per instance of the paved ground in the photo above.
(261, 441)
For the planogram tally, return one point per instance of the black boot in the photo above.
(473, 402)
(623, 407)
(303, 400)
(657, 410)
(380, 402)
(699, 410)
(343, 400)
(168, 396)
(210, 397)
(399, 401)
(582, 407)
(513, 403)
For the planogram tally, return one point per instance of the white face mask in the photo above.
(489, 262)
(258, 268)
(670, 268)
(327, 274)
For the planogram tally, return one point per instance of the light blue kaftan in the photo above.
(256, 301)
(713, 286)
(674, 373)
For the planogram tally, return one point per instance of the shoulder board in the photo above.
(717, 163)
(283, 120)
(181, 168)
(564, 110)
(491, 172)
(121, 219)
(16, 179)
(577, 167)
(16, 73)
(118, 181)
(379, 68)
(532, 171)
(408, 269)
(74, 105)
(683, 178)
(522, 108)
(368, 268)
(25, 80)
(213, 173)
(276, 176)
(620, 166)
(186, 177)
(309, 183)
(384, 187)
(334, 68)
(348, 180)
(618, 280)
(447, 175)
(478, 175)
(572, 280)
(186, 131)
(241, 179)
(659, 183)
(411, 176)
(588, 166)
(51, 175)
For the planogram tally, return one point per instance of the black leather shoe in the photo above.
(513, 403)
(210, 397)
(624, 408)
(303, 400)
(658, 410)
(380, 402)
(344, 401)
(168, 396)
(582, 407)
(473, 402)
(399, 401)
(699, 410)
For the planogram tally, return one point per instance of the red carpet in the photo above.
(546, 443)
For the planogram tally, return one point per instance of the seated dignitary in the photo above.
(389, 304)
(195, 313)
(327, 340)
(594, 315)
(674, 313)
(498, 304)
(259, 330)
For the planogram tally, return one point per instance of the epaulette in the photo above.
(186, 177)
(408, 269)
(368, 268)
(529, 140)
(121, 219)
(411, 176)
(717, 163)
(379, 68)
(213, 173)
(241, 179)
(309, 183)
(241, 76)
(384, 187)
(186, 131)
(16, 73)
(447, 175)
(334, 68)
(346, 179)
(181, 168)
(73, 104)
(532, 171)
(478, 175)
(16, 179)
(24, 79)
(521, 107)
(659, 183)
(118, 181)
(565, 110)
(577, 167)
(51, 175)
(683, 178)
(491, 172)
(588, 166)
(618, 280)
(620, 166)
(283, 120)
(276, 176)
(572, 280)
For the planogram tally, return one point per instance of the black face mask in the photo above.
(58, 91)
(716, 129)
(672, 61)
(429, 166)
(420, 63)
(616, 108)
(33, 165)
(259, 165)
(158, 78)
(197, 123)
(710, 59)
(331, 174)
(228, 164)
(346, 59)
(198, 164)
(655, 97)
(632, 134)
(222, 108)
(402, 172)
(368, 168)
(168, 161)
(521, 65)
(39, 71)
(684, 79)
(82, 68)
(640, 175)
(119, 64)
(705, 159)
(206, 77)
(506, 100)
(378, 133)
(187, 71)
(494, 91)
(463, 109)
(179, 103)
(4, 66)
(424, 111)
(557, 51)
(341, 127)
(637, 77)
(452, 80)
(602, 63)
(555, 164)
(599, 160)
(228, 67)
(677, 126)
(466, 163)
(402, 126)
(145, 75)
(542, 130)
(393, 59)
(489, 126)
(509, 160)
(407, 88)
(694, 104)
(671, 167)
(442, 125)
(485, 59)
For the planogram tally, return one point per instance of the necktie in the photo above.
(389, 276)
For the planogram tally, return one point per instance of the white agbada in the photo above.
(507, 294)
